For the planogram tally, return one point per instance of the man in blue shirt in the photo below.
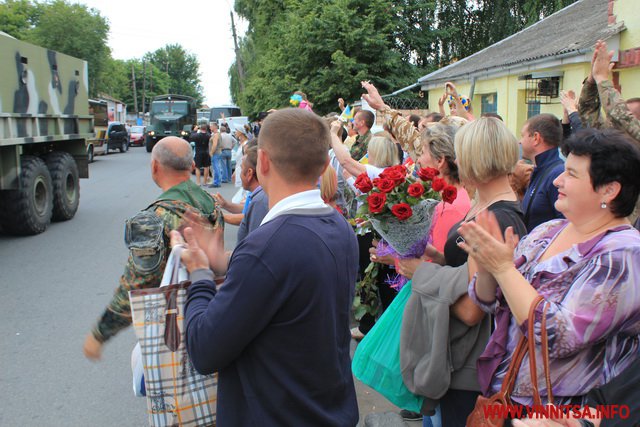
(541, 137)
(277, 329)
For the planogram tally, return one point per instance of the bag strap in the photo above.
(509, 381)
(171, 273)
(544, 341)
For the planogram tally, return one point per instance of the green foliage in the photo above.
(323, 48)
(18, 17)
(180, 67)
(326, 47)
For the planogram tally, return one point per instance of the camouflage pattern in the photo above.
(360, 146)
(43, 100)
(404, 131)
(147, 237)
(594, 97)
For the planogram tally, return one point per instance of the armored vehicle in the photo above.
(44, 122)
(170, 115)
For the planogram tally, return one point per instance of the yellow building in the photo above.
(522, 75)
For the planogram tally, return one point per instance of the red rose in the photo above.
(400, 168)
(427, 174)
(363, 183)
(415, 190)
(438, 184)
(376, 202)
(449, 194)
(402, 211)
(395, 174)
(384, 184)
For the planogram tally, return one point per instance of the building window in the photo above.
(533, 109)
(489, 103)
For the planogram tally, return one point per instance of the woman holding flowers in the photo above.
(382, 152)
(585, 267)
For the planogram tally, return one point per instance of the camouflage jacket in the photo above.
(147, 237)
(404, 131)
(603, 95)
(360, 147)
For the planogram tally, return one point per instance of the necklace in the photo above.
(469, 217)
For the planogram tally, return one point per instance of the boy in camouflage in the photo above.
(147, 234)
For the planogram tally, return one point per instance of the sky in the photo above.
(201, 27)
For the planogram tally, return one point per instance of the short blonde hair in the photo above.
(383, 151)
(329, 185)
(485, 149)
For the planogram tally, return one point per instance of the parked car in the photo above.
(117, 137)
(137, 135)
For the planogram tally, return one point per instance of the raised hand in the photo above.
(372, 96)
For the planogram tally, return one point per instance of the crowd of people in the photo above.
(539, 246)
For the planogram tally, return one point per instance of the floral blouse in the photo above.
(593, 319)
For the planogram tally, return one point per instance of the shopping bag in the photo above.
(174, 272)
(376, 361)
(177, 395)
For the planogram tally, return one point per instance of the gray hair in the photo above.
(171, 159)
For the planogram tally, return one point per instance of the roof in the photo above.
(572, 30)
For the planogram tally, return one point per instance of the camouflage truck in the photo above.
(44, 122)
(170, 115)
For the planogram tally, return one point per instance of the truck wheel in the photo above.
(148, 143)
(66, 188)
(122, 147)
(90, 154)
(28, 210)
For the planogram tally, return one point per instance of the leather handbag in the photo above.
(486, 405)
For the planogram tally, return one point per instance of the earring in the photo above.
(603, 205)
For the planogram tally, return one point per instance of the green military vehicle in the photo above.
(44, 122)
(170, 115)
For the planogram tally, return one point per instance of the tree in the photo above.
(324, 48)
(19, 17)
(180, 67)
(75, 30)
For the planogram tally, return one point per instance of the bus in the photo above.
(227, 110)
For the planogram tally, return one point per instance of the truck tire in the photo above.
(90, 155)
(28, 210)
(148, 143)
(66, 188)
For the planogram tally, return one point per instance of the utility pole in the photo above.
(144, 86)
(237, 50)
(135, 96)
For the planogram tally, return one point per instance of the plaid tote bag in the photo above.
(177, 395)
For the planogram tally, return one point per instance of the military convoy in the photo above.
(170, 115)
(44, 122)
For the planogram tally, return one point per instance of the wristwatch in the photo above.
(586, 423)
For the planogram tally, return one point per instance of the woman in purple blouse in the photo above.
(587, 268)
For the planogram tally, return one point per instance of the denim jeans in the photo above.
(225, 160)
(434, 420)
(215, 168)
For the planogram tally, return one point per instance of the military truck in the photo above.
(44, 122)
(170, 115)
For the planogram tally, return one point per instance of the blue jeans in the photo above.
(215, 169)
(434, 420)
(225, 160)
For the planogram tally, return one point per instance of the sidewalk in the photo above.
(370, 401)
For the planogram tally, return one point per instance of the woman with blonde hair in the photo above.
(486, 152)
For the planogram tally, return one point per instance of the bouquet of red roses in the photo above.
(400, 206)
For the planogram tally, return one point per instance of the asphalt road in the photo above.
(53, 286)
